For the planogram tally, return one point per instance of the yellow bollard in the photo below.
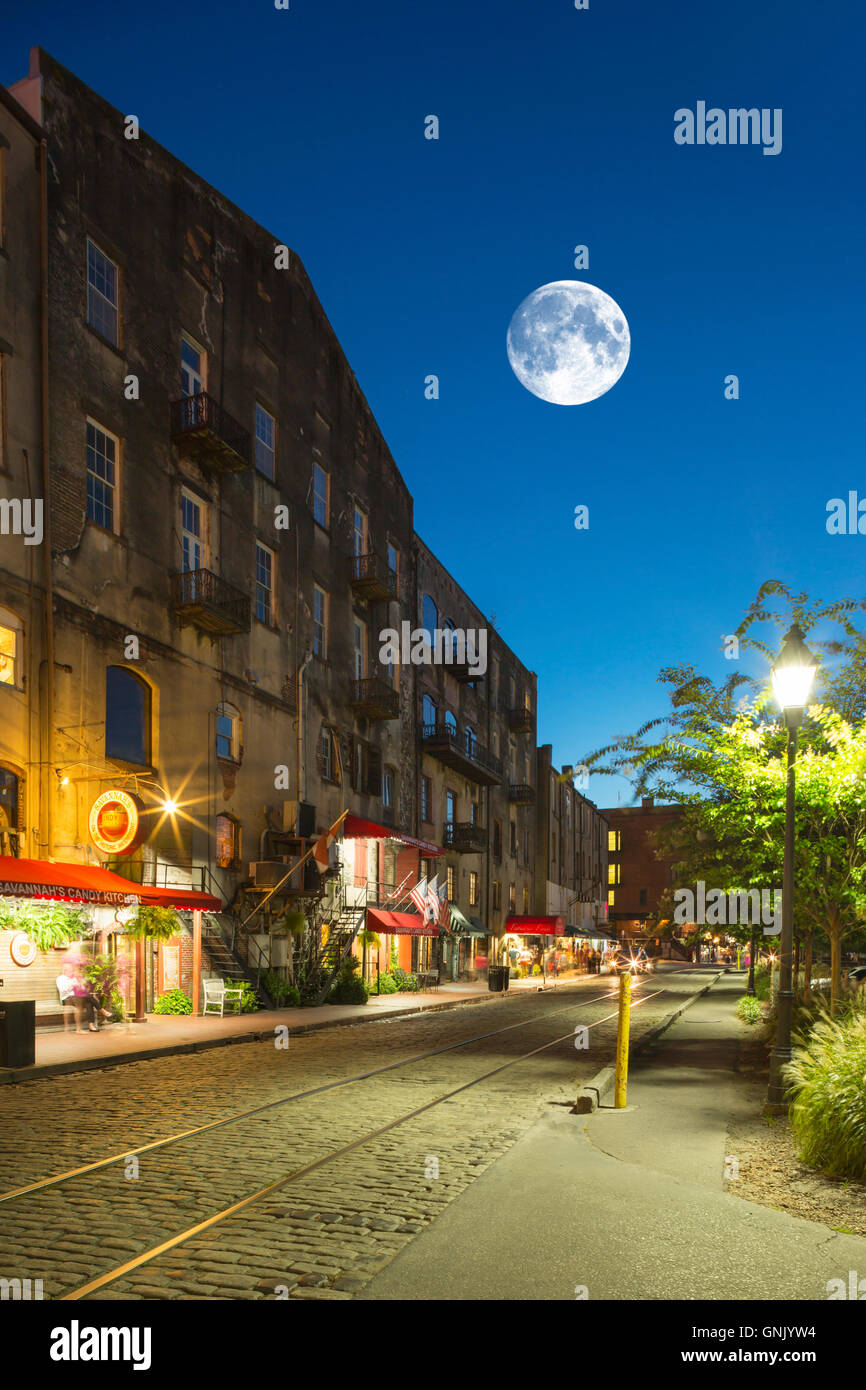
(622, 1040)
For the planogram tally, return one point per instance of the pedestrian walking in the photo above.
(89, 1004)
(66, 982)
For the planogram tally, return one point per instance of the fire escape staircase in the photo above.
(221, 941)
(345, 920)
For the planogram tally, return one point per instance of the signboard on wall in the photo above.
(115, 822)
(170, 967)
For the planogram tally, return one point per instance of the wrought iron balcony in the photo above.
(465, 837)
(521, 794)
(463, 754)
(372, 579)
(521, 720)
(202, 598)
(209, 434)
(375, 698)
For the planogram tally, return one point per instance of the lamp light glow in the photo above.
(794, 671)
(170, 807)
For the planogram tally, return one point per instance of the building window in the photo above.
(450, 807)
(228, 733)
(450, 884)
(127, 717)
(359, 648)
(192, 542)
(512, 897)
(451, 723)
(426, 799)
(102, 283)
(473, 888)
(430, 710)
(321, 495)
(3, 442)
(471, 741)
(473, 813)
(525, 900)
(9, 805)
(320, 622)
(497, 839)
(429, 617)
(228, 842)
(613, 871)
(497, 895)
(192, 367)
(102, 452)
(265, 585)
(513, 829)
(613, 841)
(359, 531)
(266, 442)
(388, 788)
(11, 633)
(611, 895)
(394, 565)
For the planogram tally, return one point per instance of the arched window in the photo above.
(450, 642)
(430, 710)
(429, 617)
(228, 732)
(228, 842)
(471, 740)
(127, 717)
(11, 654)
(450, 723)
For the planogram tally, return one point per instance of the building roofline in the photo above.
(24, 119)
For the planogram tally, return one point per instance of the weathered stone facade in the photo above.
(571, 865)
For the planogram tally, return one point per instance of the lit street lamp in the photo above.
(793, 675)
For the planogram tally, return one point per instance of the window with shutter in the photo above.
(374, 771)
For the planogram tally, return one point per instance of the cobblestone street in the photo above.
(327, 1232)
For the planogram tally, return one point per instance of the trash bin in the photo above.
(17, 1032)
(506, 977)
(495, 982)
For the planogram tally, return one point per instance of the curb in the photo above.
(591, 1096)
(12, 1076)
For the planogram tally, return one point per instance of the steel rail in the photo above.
(112, 1275)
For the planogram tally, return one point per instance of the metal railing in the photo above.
(195, 414)
(467, 746)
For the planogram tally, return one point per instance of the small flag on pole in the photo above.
(320, 851)
(418, 894)
(444, 909)
(432, 913)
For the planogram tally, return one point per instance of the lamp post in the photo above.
(793, 675)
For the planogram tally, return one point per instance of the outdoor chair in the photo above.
(218, 995)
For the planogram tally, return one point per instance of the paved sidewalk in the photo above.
(58, 1052)
(628, 1204)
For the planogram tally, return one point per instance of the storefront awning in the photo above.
(183, 899)
(464, 926)
(356, 829)
(399, 923)
(536, 926)
(66, 883)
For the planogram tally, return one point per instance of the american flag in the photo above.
(418, 894)
(444, 909)
(432, 914)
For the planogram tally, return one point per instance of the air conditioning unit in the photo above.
(267, 873)
(299, 818)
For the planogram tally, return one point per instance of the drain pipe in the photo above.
(302, 769)
(47, 694)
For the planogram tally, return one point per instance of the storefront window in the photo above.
(228, 835)
(8, 812)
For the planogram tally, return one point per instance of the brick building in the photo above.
(637, 877)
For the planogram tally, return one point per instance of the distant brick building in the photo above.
(637, 878)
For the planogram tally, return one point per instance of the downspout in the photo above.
(302, 768)
(47, 696)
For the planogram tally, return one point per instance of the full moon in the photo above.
(568, 342)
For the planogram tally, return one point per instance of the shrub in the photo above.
(283, 993)
(249, 1000)
(387, 984)
(828, 1113)
(174, 1002)
(406, 983)
(749, 1009)
(348, 988)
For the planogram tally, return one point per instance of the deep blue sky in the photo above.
(556, 129)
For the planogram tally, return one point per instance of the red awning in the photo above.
(536, 926)
(88, 883)
(67, 883)
(184, 899)
(399, 923)
(356, 829)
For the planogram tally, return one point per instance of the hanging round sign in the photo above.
(22, 950)
(115, 822)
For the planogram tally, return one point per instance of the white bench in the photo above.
(217, 995)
